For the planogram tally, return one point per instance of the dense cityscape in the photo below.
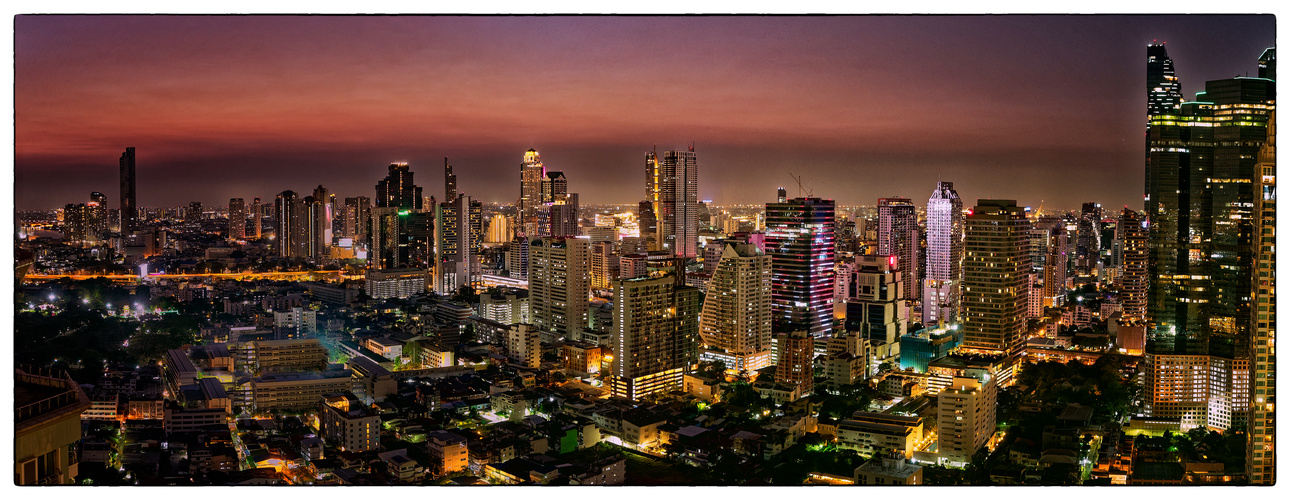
(394, 334)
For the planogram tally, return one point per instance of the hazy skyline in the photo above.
(861, 107)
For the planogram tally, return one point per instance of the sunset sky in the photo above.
(1048, 108)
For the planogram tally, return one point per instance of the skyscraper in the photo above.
(898, 236)
(672, 187)
(401, 232)
(793, 368)
(322, 217)
(453, 249)
(564, 216)
(554, 186)
(648, 224)
(1088, 238)
(1164, 91)
(236, 219)
(449, 181)
(356, 218)
(531, 175)
(96, 220)
(654, 335)
(1201, 178)
(944, 256)
(876, 306)
(396, 190)
(996, 272)
(735, 324)
(1133, 284)
(1261, 458)
(284, 224)
(800, 241)
(257, 218)
(129, 210)
(559, 284)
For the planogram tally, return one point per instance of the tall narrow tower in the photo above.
(1261, 458)
(449, 181)
(898, 236)
(800, 241)
(996, 271)
(672, 185)
(1164, 91)
(944, 255)
(236, 219)
(532, 172)
(129, 210)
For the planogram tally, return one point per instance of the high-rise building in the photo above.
(1049, 238)
(735, 324)
(875, 306)
(396, 190)
(532, 173)
(965, 417)
(517, 258)
(129, 209)
(559, 284)
(554, 186)
(1201, 185)
(793, 368)
(654, 336)
(322, 220)
(996, 276)
(499, 229)
(648, 224)
(1133, 283)
(401, 230)
(1261, 458)
(1088, 238)
(285, 232)
(257, 218)
(74, 222)
(449, 181)
(1164, 91)
(604, 264)
(236, 219)
(97, 218)
(453, 249)
(944, 256)
(672, 186)
(356, 218)
(898, 236)
(564, 216)
(800, 241)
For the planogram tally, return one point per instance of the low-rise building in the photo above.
(889, 471)
(348, 424)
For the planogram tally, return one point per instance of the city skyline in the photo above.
(756, 108)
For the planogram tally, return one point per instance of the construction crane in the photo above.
(809, 190)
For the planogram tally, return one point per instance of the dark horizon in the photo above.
(862, 107)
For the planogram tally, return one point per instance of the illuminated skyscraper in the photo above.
(356, 218)
(800, 241)
(898, 236)
(559, 284)
(453, 250)
(257, 218)
(236, 219)
(1201, 185)
(1088, 238)
(449, 181)
(996, 276)
(321, 219)
(654, 336)
(735, 324)
(402, 236)
(793, 368)
(648, 224)
(672, 187)
(944, 255)
(1261, 459)
(531, 175)
(876, 307)
(396, 190)
(129, 210)
(1133, 283)
(284, 224)
(1164, 91)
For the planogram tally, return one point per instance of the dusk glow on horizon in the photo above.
(234, 106)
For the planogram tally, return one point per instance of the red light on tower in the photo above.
(891, 260)
(970, 211)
